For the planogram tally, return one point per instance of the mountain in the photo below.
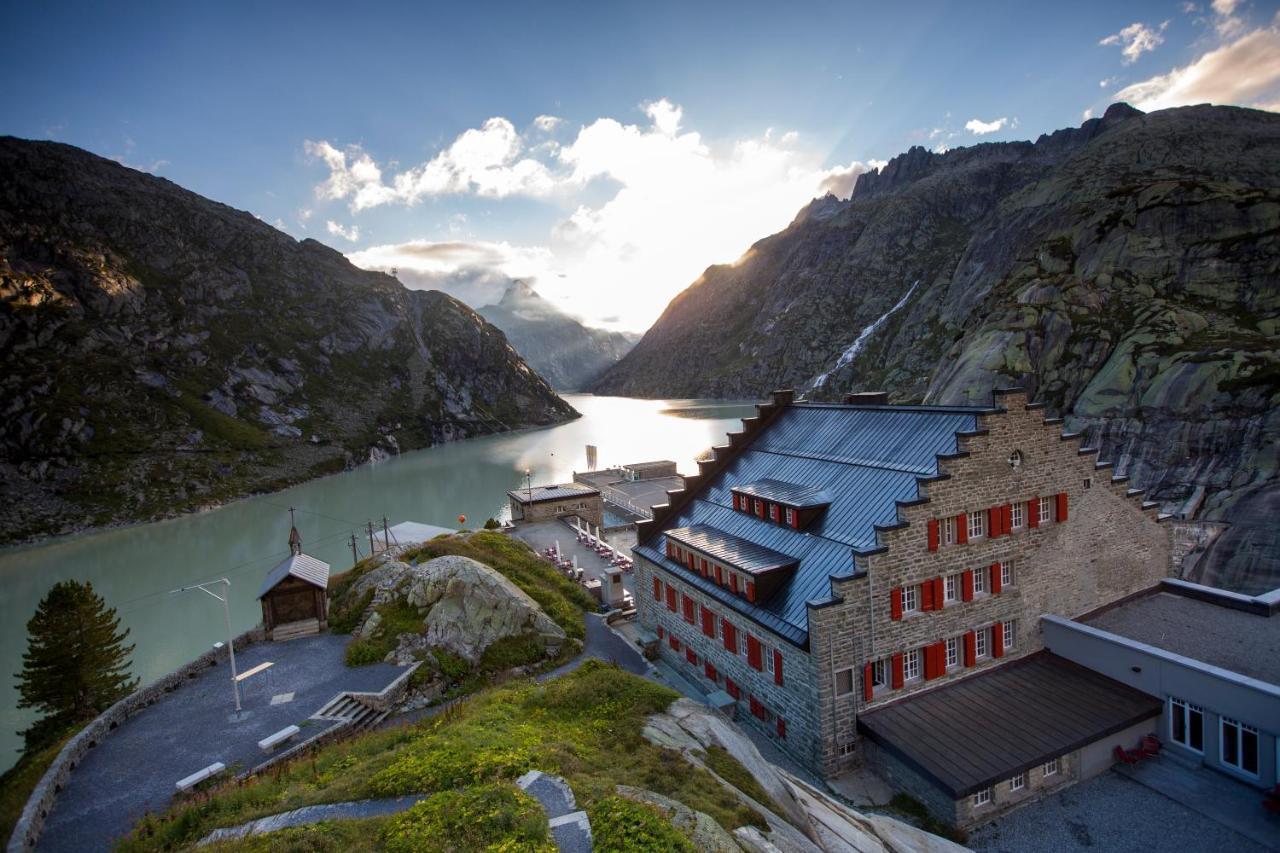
(560, 348)
(1127, 272)
(163, 352)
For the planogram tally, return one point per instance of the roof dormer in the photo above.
(791, 504)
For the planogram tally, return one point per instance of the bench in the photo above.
(270, 742)
(200, 775)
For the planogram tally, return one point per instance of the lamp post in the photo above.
(226, 611)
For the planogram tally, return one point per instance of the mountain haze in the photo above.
(163, 352)
(1127, 272)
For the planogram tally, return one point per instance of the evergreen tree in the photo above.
(76, 664)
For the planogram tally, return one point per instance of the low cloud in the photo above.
(350, 234)
(839, 181)
(1135, 40)
(1245, 72)
(476, 272)
(978, 127)
(546, 124)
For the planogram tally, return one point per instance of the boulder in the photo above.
(707, 835)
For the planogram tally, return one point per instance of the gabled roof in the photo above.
(551, 493)
(301, 566)
(867, 458)
(738, 552)
(791, 494)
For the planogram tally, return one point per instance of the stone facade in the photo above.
(588, 506)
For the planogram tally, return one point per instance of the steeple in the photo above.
(295, 538)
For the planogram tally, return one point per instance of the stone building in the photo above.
(542, 503)
(837, 567)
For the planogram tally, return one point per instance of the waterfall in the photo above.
(854, 348)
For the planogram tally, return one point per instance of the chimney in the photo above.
(867, 398)
(784, 397)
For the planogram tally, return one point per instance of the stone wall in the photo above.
(1004, 799)
(27, 831)
(1109, 547)
(589, 508)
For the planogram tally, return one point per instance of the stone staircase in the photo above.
(294, 630)
(348, 708)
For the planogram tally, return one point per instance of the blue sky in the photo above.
(671, 135)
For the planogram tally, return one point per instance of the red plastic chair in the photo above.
(1125, 756)
(1149, 746)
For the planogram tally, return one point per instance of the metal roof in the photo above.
(737, 552)
(866, 458)
(1053, 706)
(792, 494)
(551, 493)
(301, 566)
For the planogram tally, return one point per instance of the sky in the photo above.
(606, 153)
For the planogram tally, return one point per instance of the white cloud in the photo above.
(839, 180)
(351, 234)
(978, 127)
(1245, 72)
(1086, 115)
(547, 123)
(1225, 7)
(653, 204)
(1135, 40)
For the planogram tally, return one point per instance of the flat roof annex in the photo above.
(539, 494)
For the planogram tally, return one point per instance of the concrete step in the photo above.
(293, 630)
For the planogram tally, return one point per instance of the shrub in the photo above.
(362, 652)
(345, 613)
(484, 817)
(510, 652)
(624, 826)
(453, 667)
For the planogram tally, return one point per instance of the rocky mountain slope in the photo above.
(568, 354)
(1126, 271)
(163, 352)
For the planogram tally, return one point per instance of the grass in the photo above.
(330, 836)
(919, 815)
(478, 818)
(17, 783)
(584, 726)
(727, 767)
(619, 825)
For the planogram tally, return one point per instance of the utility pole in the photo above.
(226, 610)
(355, 555)
(386, 534)
(372, 550)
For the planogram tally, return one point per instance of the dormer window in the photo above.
(745, 568)
(793, 518)
(791, 504)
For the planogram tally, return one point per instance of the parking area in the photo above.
(134, 770)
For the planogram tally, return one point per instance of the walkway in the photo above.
(570, 827)
(313, 814)
(133, 771)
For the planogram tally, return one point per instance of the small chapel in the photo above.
(293, 594)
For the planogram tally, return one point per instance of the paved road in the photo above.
(134, 770)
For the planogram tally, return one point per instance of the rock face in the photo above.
(163, 352)
(1127, 272)
(465, 605)
(566, 353)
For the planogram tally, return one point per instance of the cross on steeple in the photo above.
(295, 538)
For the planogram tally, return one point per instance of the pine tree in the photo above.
(76, 663)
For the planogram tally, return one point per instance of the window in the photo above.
(1240, 746)
(1045, 510)
(950, 588)
(948, 531)
(791, 517)
(1017, 783)
(911, 665)
(1010, 634)
(983, 642)
(759, 507)
(1051, 767)
(910, 599)
(742, 643)
(1186, 724)
(767, 653)
(953, 652)
(844, 682)
(1018, 516)
(982, 798)
(773, 512)
(977, 524)
(848, 748)
(879, 674)
(720, 630)
(980, 579)
(1006, 573)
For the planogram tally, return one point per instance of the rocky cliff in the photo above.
(568, 354)
(1127, 272)
(162, 352)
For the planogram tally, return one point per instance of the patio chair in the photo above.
(1125, 756)
(1149, 746)
(1272, 801)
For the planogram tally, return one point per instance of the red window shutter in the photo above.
(1033, 512)
(719, 576)
(970, 648)
(753, 653)
(933, 534)
(897, 671)
(733, 582)
(708, 622)
(709, 670)
(671, 598)
(928, 663)
(1062, 507)
(731, 687)
(751, 591)
(926, 596)
(782, 728)
(966, 585)
(657, 590)
(939, 592)
(1006, 518)
(691, 656)
(895, 603)
(997, 640)
(662, 632)
(777, 667)
(730, 637)
(673, 641)
(993, 521)
(693, 562)
(671, 549)
(940, 657)
(795, 519)
(688, 609)
(868, 689)
(962, 528)
(995, 578)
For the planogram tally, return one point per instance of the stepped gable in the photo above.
(873, 460)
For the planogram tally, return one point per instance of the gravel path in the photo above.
(1108, 813)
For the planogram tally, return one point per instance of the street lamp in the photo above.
(226, 610)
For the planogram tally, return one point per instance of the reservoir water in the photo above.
(134, 568)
